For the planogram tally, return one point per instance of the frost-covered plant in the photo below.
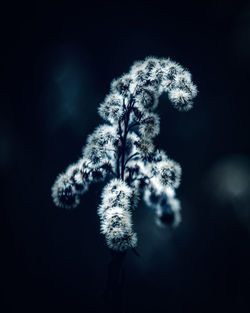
(122, 152)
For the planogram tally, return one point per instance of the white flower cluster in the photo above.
(123, 150)
(158, 180)
(96, 163)
(146, 81)
(115, 215)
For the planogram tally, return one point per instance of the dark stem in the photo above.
(124, 137)
(133, 155)
(115, 282)
(118, 155)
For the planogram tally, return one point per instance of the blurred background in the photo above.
(57, 62)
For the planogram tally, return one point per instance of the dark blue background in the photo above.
(57, 62)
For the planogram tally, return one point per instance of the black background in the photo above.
(57, 62)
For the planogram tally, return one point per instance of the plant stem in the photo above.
(115, 282)
(124, 137)
(129, 158)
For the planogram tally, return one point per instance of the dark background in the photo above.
(57, 62)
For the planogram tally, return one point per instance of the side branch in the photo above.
(131, 157)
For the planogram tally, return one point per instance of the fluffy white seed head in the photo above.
(112, 107)
(127, 241)
(147, 97)
(122, 85)
(103, 135)
(168, 172)
(150, 125)
(117, 193)
(63, 192)
(101, 144)
(145, 148)
(181, 99)
(74, 174)
(115, 214)
(116, 218)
